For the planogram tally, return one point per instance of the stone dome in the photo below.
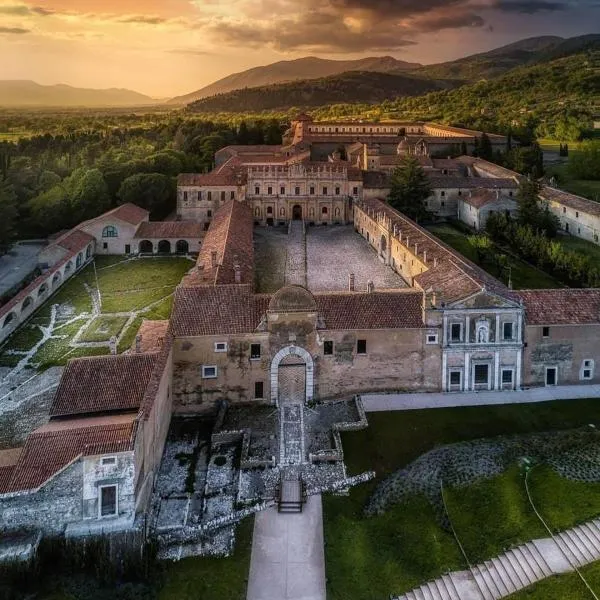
(293, 298)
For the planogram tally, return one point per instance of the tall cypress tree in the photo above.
(410, 187)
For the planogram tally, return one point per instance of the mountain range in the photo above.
(23, 93)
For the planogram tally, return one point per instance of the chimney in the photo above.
(370, 287)
(112, 344)
(213, 258)
(351, 282)
(425, 256)
(238, 273)
(434, 297)
(435, 261)
(138, 343)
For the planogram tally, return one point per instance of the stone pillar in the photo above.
(467, 371)
(444, 372)
(517, 382)
(496, 370)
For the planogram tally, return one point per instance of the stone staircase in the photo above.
(517, 568)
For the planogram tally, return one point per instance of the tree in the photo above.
(410, 187)
(152, 191)
(485, 147)
(8, 210)
(531, 213)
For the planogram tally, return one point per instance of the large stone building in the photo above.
(447, 326)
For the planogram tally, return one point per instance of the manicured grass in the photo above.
(211, 578)
(102, 328)
(523, 275)
(370, 558)
(582, 187)
(563, 587)
(24, 338)
(575, 244)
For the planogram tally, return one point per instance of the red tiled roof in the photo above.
(169, 230)
(230, 177)
(103, 384)
(230, 240)
(231, 310)
(74, 240)
(377, 310)
(446, 181)
(489, 168)
(584, 205)
(128, 212)
(561, 307)
(479, 198)
(51, 448)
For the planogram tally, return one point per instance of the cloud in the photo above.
(22, 10)
(14, 30)
(143, 20)
(530, 6)
(190, 51)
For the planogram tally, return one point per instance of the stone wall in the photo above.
(111, 245)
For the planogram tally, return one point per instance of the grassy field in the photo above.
(524, 276)
(570, 242)
(369, 558)
(144, 285)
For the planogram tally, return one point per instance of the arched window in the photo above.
(110, 231)
(324, 210)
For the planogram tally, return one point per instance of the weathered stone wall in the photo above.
(566, 347)
(70, 497)
(114, 245)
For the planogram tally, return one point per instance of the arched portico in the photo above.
(302, 354)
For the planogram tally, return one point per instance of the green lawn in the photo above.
(370, 558)
(102, 328)
(575, 244)
(524, 276)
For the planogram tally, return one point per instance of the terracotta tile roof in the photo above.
(103, 384)
(228, 310)
(10, 457)
(447, 163)
(74, 241)
(169, 230)
(223, 309)
(479, 198)
(157, 376)
(449, 181)
(561, 307)
(578, 203)
(128, 212)
(376, 179)
(377, 310)
(230, 241)
(152, 335)
(487, 168)
(448, 272)
(6, 474)
(53, 447)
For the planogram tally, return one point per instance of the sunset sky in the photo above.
(168, 47)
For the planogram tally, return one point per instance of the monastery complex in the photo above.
(433, 322)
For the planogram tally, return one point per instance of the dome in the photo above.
(293, 298)
(403, 146)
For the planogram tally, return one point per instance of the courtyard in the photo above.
(106, 301)
(329, 254)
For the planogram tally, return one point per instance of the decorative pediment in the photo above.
(484, 299)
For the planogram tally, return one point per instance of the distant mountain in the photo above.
(487, 65)
(294, 70)
(352, 87)
(30, 94)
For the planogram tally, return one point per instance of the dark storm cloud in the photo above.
(530, 7)
(437, 22)
(14, 30)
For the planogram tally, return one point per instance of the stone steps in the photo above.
(516, 568)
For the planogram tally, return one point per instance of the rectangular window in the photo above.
(223, 196)
(587, 369)
(328, 348)
(185, 196)
(209, 195)
(105, 245)
(209, 371)
(355, 191)
(259, 389)
(220, 346)
(432, 338)
(232, 196)
(209, 213)
(256, 191)
(507, 331)
(312, 190)
(282, 191)
(481, 374)
(587, 374)
(545, 331)
(324, 191)
(337, 191)
(361, 346)
(577, 214)
(455, 377)
(127, 249)
(507, 376)
(270, 191)
(108, 500)
(106, 461)
(297, 190)
(456, 332)
(551, 375)
(254, 351)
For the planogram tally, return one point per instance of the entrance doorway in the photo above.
(297, 212)
(292, 380)
(551, 375)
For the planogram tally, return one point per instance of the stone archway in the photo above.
(303, 356)
(297, 212)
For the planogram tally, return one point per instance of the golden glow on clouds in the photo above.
(168, 47)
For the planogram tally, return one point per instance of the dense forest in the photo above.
(52, 182)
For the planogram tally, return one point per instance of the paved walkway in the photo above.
(516, 569)
(18, 264)
(295, 268)
(288, 561)
(385, 402)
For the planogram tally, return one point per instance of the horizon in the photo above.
(167, 48)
